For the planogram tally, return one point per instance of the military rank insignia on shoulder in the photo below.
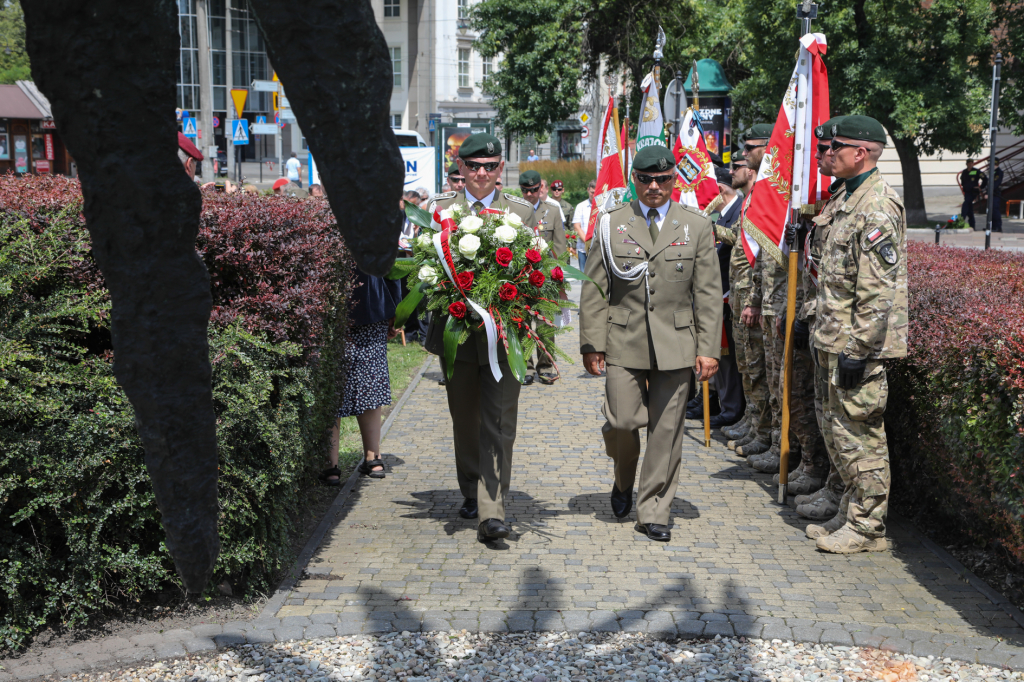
(446, 195)
(518, 200)
(887, 253)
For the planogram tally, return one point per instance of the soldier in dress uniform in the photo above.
(484, 411)
(558, 192)
(661, 321)
(860, 322)
(550, 227)
(456, 180)
(823, 504)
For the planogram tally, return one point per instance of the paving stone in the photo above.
(283, 634)
(1016, 663)
(295, 621)
(319, 630)
(803, 633)
(775, 631)
(229, 638)
(958, 652)
(324, 618)
(925, 649)
(897, 644)
(867, 639)
(170, 649)
(260, 637)
(993, 658)
(208, 630)
(690, 628)
(148, 639)
(349, 627)
(836, 637)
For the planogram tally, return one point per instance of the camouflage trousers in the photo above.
(803, 418)
(773, 349)
(750, 362)
(854, 432)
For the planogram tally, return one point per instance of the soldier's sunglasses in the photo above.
(645, 179)
(836, 145)
(490, 166)
(530, 190)
(752, 147)
(456, 179)
(823, 148)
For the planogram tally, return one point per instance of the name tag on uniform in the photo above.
(628, 241)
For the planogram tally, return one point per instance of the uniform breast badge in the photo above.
(622, 229)
(679, 267)
(628, 241)
(628, 264)
(686, 233)
(638, 250)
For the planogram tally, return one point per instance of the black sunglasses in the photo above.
(823, 148)
(530, 190)
(752, 147)
(490, 166)
(456, 178)
(836, 145)
(645, 179)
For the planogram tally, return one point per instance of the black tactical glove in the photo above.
(791, 234)
(801, 334)
(851, 372)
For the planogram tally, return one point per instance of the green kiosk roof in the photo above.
(710, 77)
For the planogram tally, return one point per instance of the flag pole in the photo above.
(705, 387)
(805, 11)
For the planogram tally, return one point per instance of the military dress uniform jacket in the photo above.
(475, 348)
(862, 280)
(547, 219)
(682, 319)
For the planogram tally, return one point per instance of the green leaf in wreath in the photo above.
(452, 331)
(416, 215)
(408, 305)
(515, 355)
(402, 268)
(574, 273)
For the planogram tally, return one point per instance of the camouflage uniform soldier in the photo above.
(860, 321)
(824, 504)
(745, 297)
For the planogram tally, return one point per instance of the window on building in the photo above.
(392, 8)
(396, 121)
(463, 9)
(488, 66)
(396, 65)
(463, 67)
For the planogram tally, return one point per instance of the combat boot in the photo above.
(846, 540)
(805, 483)
(738, 429)
(814, 531)
(820, 506)
(753, 447)
(747, 438)
(769, 464)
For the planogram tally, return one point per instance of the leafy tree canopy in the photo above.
(13, 58)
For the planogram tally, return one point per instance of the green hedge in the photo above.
(79, 528)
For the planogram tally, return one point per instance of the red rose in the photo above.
(557, 274)
(537, 278)
(465, 280)
(533, 255)
(503, 256)
(457, 310)
(508, 291)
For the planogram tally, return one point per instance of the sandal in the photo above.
(368, 465)
(326, 474)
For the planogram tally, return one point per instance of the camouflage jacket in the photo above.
(816, 238)
(862, 280)
(741, 276)
(773, 284)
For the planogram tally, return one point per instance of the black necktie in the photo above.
(477, 207)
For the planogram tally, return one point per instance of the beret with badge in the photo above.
(653, 158)
(824, 131)
(758, 131)
(480, 145)
(859, 128)
(529, 178)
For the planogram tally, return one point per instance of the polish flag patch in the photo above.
(874, 234)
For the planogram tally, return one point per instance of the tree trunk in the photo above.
(913, 194)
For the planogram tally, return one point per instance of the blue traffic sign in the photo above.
(188, 125)
(432, 125)
(261, 119)
(240, 131)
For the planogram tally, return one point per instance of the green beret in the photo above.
(480, 145)
(653, 158)
(824, 131)
(739, 155)
(454, 169)
(529, 178)
(758, 131)
(859, 128)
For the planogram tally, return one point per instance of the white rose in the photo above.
(540, 244)
(428, 275)
(469, 244)
(513, 219)
(424, 241)
(505, 233)
(471, 224)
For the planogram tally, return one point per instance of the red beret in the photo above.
(280, 182)
(185, 145)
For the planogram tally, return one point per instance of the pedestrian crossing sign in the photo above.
(189, 126)
(240, 131)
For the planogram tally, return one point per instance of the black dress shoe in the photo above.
(695, 404)
(717, 422)
(491, 529)
(622, 502)
(654, 531)
(695, 412)
(469, 509)
(528, 380)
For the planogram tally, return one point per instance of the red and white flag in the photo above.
(696, 183)
(609, 168)
(788, 177)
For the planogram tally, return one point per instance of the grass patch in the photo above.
(403, 361)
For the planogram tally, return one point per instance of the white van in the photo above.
(408, 138)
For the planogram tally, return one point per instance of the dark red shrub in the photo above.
(956, 409)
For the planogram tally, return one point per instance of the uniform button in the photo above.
(652, 291)
(652, 307)
(651, 274)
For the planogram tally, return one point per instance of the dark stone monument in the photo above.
(109, 70)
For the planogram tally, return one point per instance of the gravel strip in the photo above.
(554, 657)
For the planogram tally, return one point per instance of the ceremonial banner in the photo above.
(696, 184)
(788, 177)
(650, 129)
(609, 168)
